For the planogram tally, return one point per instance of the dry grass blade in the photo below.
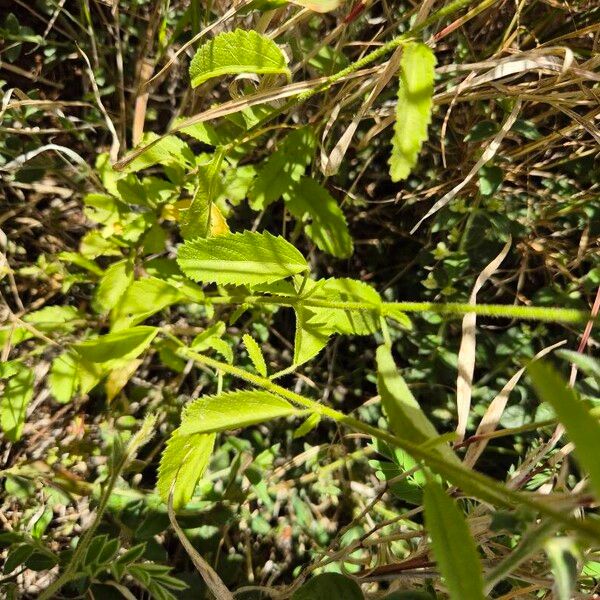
(494, 412)
(466, 353)
(487, 155)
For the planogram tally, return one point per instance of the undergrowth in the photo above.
(299, 299)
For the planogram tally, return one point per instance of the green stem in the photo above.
(508, 311)
(456, 473)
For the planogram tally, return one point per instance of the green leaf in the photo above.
(183, 462)
(327, 226)
(18, 391)
(589, 365)
(582, 428)
(142, 299)
(54, 318)
(563, 554)
(315, 324)
(413, 112)
(407, 420)
(112, 348)
(283, 169)
(64, 378)
(112, 285)
(329, 586)
(235, 52)
(169, 151)
(309, 424)
(233, 410)
(255, 354)
(240, 259)
(453, 546)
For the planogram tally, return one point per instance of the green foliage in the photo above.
(240, 259)
(239, 51)
(329, 586)
(18, 391)
(413, 112)
(452, 544)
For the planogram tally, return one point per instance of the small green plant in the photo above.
(177, 286)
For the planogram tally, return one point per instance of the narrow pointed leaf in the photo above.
(407, 420)
(582, 428)
(255, 354)
(453, 546)
(413, 112)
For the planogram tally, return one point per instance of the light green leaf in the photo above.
(183, 462)
(54, 318)
(233, 410)
(311, 422)
(413, 113)
(240, 259)
(453, 546)
(235, 52)
(315, 324)
(255, 354)
(112, 285)
(588, 364)
(582, 428)
(64, 378)
(18, 391)
(169, 151)
(116, 347)
(283, 168)
(142, 299)
(393, 312)
(326, 226)
(407, 420)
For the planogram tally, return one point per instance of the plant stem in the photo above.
(469, 481)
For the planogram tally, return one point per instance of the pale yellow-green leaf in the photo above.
(255, 354)
(237, 52)
(413, 112)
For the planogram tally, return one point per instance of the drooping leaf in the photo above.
(582, 428)
(18, 391)
(183, 462)
(118, 346)
(169, 151)
(233, 410)
(255, 354)
(407, 420)
(112, 285)
(64, 378)
(413, 112)
(142, 299)
(453, 546)
(326, 226)
(236, 52)
(240, 259)
(329, 586)
(283, 169)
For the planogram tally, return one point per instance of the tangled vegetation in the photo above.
(299, 299)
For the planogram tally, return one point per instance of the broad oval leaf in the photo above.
(413, 112)
(183, 462)
(235, 52)
(120, 345)
(246, 258)
(329, 586)
(232, 410)
(582, 428)
(453, 546)
(18, 391)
